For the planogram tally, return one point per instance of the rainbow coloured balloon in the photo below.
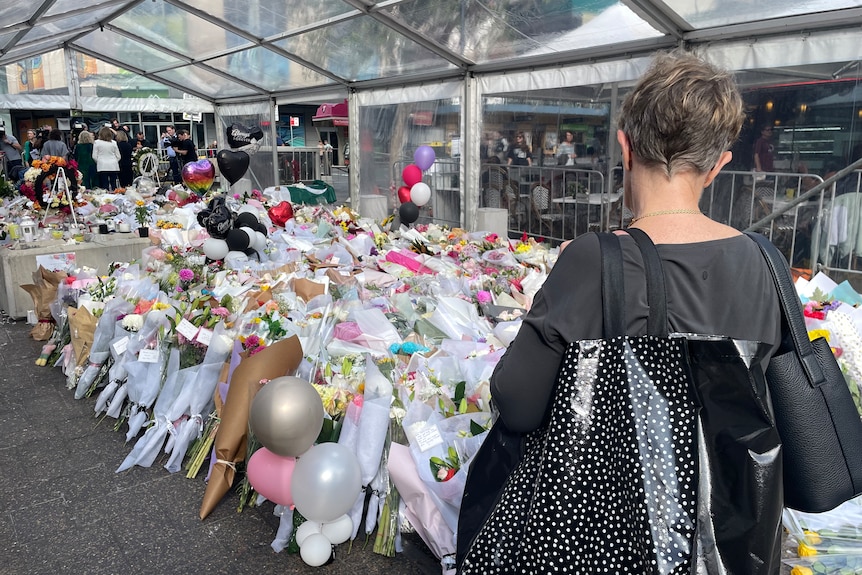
(198, 176)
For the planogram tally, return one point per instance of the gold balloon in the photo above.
(286, 416)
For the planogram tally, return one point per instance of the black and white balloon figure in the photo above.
(233, 237)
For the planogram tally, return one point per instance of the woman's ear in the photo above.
(625, 147)
(723, 160)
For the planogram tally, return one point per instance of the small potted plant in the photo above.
(142, 216)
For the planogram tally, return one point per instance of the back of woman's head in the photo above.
(85, 137)
(55, 135)
(121, 136)
(682, 114)
(106, 134)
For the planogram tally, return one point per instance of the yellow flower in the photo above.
(806, 550)
(812, 537)
(160, 305)
(140, 203)
(801, 570)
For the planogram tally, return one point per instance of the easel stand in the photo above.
(58, 189)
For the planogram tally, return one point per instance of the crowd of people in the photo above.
(105, 156)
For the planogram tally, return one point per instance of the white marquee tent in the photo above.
(235, 57)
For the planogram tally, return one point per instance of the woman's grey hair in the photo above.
(682, 114)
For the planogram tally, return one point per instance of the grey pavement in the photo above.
(65, 511)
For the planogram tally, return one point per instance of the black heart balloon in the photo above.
(232, 165)
(239, 135)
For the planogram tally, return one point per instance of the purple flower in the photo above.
(482, 296)
(187, 275)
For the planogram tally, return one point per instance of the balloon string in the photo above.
(227, 463)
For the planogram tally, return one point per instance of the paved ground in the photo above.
(65, 511)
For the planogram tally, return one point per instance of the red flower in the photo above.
(450, 473)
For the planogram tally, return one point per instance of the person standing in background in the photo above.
(127, 174)
(9, 145)
(764, 150)
(567, 149)
(28, 145)
(167, 143)
(116, 127)
(84, 157)
(55, 145)
(519, 153)
(106, 154)
(140, 141)
(185, 148)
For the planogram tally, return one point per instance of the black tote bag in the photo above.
(659, 456)
(816, 417)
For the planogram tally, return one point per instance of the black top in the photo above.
(719, 287)
(191, 154)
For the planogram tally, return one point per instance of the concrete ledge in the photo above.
(17, 265)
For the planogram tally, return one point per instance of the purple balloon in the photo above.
(423, 157)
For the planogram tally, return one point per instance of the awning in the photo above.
(336, 113)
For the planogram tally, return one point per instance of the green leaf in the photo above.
(462, 408)
(437, 461)
(325, 431)
(459, 391)
(476, 429)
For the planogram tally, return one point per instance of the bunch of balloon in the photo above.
(232, 236)
(415, 193)
(322, 481)
(244, 141)
(326, 482)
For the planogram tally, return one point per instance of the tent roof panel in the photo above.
(233, 49)
(178, 30)
(713, 13)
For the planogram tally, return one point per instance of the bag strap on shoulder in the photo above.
(657, 324)
(791, 308)
(613, 290)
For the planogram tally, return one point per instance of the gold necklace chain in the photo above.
(667, 213)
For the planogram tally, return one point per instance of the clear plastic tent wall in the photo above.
(392, 124)
(540, 67)
(254, 114)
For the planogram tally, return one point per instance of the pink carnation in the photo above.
(483, 296)
(187, 275)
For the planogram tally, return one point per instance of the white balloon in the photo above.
(326, 482)
(250, 233)
(306, 529)
(338, 531)
(315, 550)
(215, 249)
(259, 242)
(250, 209)
(420, 193)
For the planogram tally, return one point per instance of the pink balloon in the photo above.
(270, 475)
(411, 174)
(403, 194)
